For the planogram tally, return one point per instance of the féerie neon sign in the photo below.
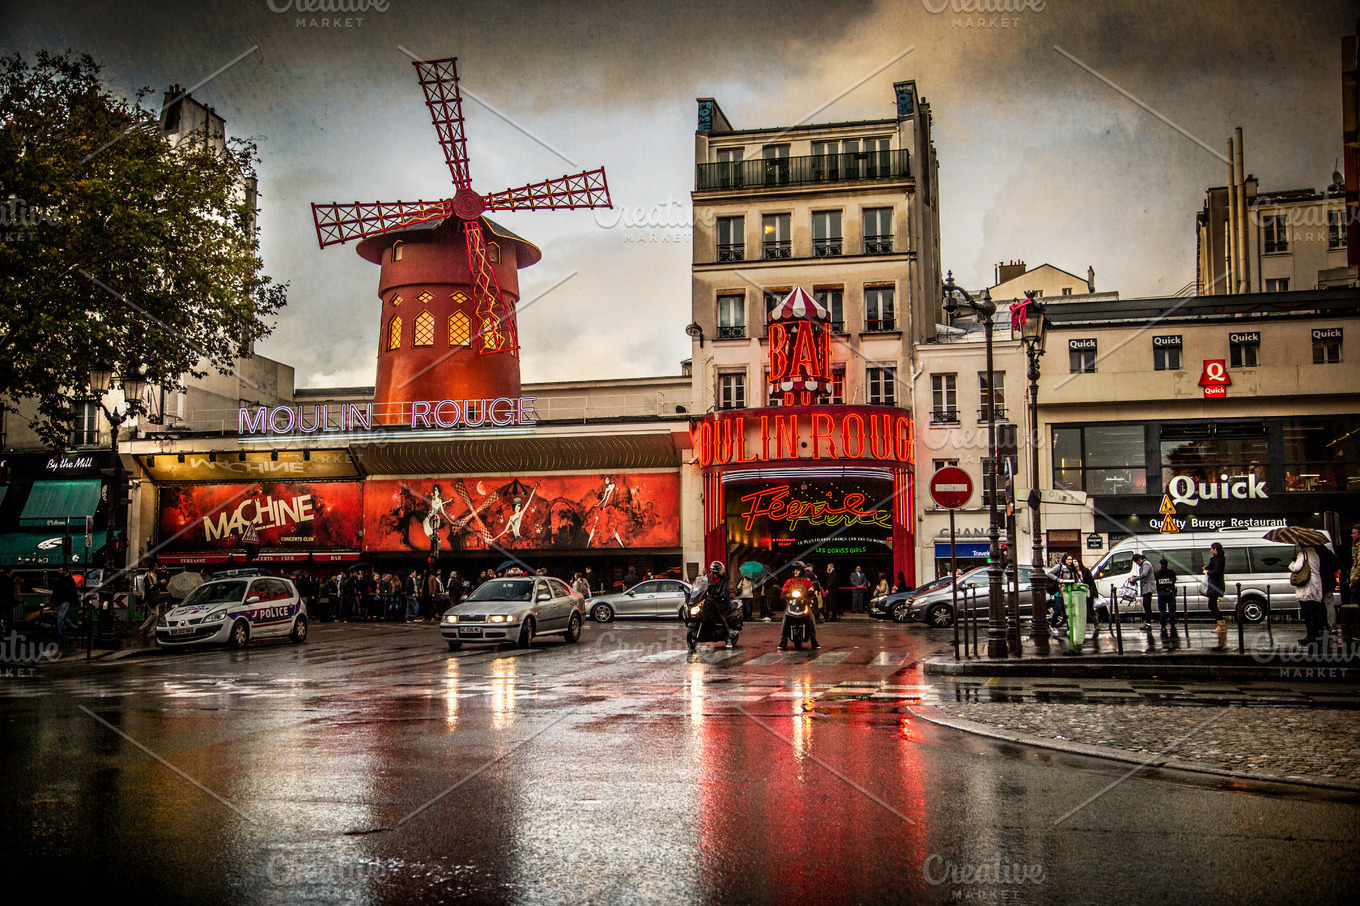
(773, 502)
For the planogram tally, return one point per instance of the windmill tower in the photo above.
(449, 279)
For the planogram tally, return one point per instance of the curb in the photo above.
(1110, 753)
(1189, 667)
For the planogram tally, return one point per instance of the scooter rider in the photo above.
(712, 586)
(806, 587)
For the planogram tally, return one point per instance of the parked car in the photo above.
(1261, 568)
(935, 607)
(664, 598)
(234, 611)
(893, 606)
(514, 610)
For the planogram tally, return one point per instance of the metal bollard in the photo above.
(1270, 630)
(1237, 615)
(1118, 620)
(1185, 616)
(973, 620)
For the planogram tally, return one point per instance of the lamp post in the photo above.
(1033, 332)
(985, 308)
(132, 381)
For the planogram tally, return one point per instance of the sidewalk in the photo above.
(1262, 653)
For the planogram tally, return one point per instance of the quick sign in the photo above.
(1087, 343)
(1214, 379)
(1169, 342)
(1246, 338)
(1326, 333)
(1185, 489)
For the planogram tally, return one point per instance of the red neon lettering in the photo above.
(903, 426)
(741, 442)
(779, 352)
(786, 437)
(818, 420)
(880, 428)
(852, 427)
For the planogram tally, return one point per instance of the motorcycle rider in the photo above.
(712, 586)
(806, 588)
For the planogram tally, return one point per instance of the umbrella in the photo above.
(754, 569)
(1297, 534)
(508, 564)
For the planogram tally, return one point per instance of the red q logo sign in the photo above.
(1214, 379)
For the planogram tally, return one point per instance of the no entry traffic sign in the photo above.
(951, 488)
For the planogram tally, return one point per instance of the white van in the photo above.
(1260, 567)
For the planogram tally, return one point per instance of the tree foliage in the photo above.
(116, 246)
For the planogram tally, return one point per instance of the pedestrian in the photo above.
(881, 589)
(8, 599)
(1305, 574)
(745, 592)
(1165, 578)
(1352, 584)
(859, 586)
(578, 585)
(593, 581)
(1213, 584)
(765, 593)
(154, 599)
(833, 585)
(1329, 564)
(901, 585)
(64, 595)
(430, 590)
(1147, 584)
(630, 578)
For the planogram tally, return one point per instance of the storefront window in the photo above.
(1206, 457)
(1102, 460)
(1322, 454)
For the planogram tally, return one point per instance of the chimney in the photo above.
(1005, 272)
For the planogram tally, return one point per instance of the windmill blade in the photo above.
(584, 190)
(495, 319)
(343, 222)
(439, 80)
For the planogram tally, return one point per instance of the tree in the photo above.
(115, 246)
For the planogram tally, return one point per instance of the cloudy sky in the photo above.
(1073, 132)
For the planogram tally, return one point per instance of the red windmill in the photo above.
(464, 290)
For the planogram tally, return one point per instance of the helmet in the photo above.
(717, 567)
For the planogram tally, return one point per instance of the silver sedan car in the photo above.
(664, 598)
(514, 610)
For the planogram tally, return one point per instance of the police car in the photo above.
(234, 611)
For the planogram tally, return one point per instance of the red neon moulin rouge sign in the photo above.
(773, 503)
(839, 432)
(800, 349)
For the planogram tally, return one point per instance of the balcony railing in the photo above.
(826, 248)
(944, 417)
(733, 252)
(732, 332)
(878, 325)
(1000, 413)
(801, 171)
(779, 249)
(878, 245)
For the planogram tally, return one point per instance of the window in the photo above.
(732, 390)
(878, 308)
(396, 300)
(772, 299)
(882, 386)
(1207, 452)
(837, 395)
(1322, 454)
(731, 317)
(874, 160)
(826, 164)
(85, 428)
(1336, 230)
(826, 234)
(1105, 460)
(777, 236)
(834, 302)
(1327, 346)
(1067, 290)
(944, 401)
(1082, 359)
(398, 248)
(1166, 353)
(1276, 230)
(460, 329)
(776, 159)
(878, 231)
(422, 330)
(729, 167)
(1278, 286)
(731, 238)
(1000, 377)
(1244, 350)
(944, 463)
(394, 332)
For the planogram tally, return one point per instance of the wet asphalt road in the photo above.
(373, 765)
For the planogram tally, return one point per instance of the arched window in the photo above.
(394, 332)
(422, 331)
(460, 329)
(396, 250)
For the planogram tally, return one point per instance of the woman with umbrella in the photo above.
(1305, 574)
(753, 576)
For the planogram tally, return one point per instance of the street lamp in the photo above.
(103, 378)
(985, 309)
(1033, 333)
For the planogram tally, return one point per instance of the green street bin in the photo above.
(1074, 600)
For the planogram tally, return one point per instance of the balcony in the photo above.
(818, 169)
(732, 332)
(778, 248)
(878, 245)
(944, 417)
(1000, 413)
(826, 248)
(733, 252)
(880, 325)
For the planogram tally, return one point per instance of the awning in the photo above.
(335, 557)
(44, 549)
(61, 504)
(193, 559)
(965, 549)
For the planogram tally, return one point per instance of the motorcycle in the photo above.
(703, 622)
(798, 616)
